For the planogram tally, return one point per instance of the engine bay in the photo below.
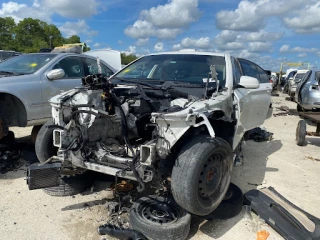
(107, 127)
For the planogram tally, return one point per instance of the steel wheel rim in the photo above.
(211, 176)
(160, 214)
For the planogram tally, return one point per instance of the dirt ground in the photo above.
(279, 163)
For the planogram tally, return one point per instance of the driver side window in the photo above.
(249, 69)
(72, 67)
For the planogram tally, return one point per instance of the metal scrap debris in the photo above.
(284, 111)
(313, 159)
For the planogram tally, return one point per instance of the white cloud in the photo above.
(165, 21)
(261, 36)
(201, 43)
(260, 47)
(284, 48)
(76, 28)
(174, 14)
(44, 9)
(307, 21)
(96, 45)
(88, 41)
(158, 47)
(251, 15)
(131, 50)
(302, 55)
(231, 46)
(248, 55)
(120, 42)
(142, 41)
(20, 11)
(73, 8)
(176, 47)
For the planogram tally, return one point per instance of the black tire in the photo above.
(231, 205)
(70, 186)
(299, 108)
(301, 132)
(160, 218)
(201, 175)
(44, 143)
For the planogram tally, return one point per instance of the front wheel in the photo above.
(202, 174)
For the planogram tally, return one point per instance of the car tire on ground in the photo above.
(231, 205)
(301, 132)
(160, 218)
(70, 184)
(202, 173)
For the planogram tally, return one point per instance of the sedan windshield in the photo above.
(188, 68)
(25, 64)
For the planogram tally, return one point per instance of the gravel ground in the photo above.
(280, 163)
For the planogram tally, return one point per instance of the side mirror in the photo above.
(249, 82)
(55, 74)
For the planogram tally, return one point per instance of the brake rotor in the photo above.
(123, 186)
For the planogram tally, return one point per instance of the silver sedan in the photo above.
(308, 93)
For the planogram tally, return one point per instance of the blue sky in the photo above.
(265, 31)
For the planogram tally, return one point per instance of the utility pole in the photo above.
(50, 41)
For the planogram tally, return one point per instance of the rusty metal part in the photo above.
(314, 134)
(123, 186)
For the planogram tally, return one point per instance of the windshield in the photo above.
(189, 68)
(299, 75)
(26, 64)
(5, 55)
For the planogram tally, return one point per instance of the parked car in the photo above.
(307, 93)
(289, 74)
(7, 54)
(28, 81)
(292, 83)
(174, 118)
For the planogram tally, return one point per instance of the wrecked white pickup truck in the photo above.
(175, 118)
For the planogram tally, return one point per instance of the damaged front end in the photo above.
(122, 130)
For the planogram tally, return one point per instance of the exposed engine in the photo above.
(106, 127)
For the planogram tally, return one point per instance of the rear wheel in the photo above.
(201, 175)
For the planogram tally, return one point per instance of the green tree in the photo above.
(72, 39)
(7, 40)
(30, 35)
(126, 59)
(53, 35)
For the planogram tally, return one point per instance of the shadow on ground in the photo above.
(248, 176)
